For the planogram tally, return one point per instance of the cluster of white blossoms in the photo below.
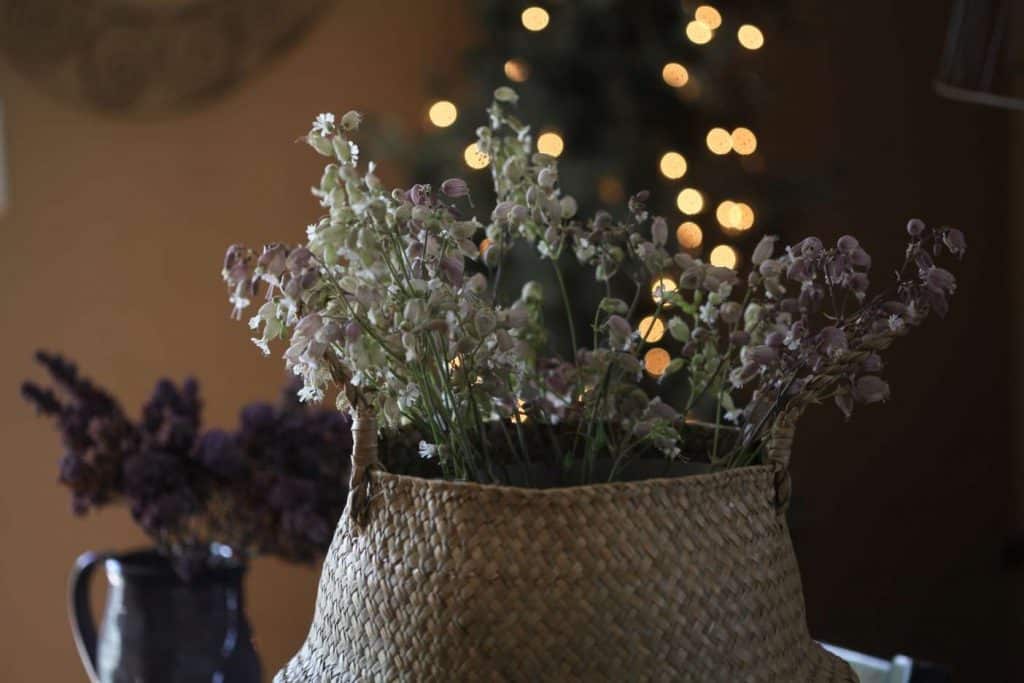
(391, 301)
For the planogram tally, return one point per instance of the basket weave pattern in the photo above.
(690, 579)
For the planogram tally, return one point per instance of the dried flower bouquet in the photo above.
(274, 486)
(391, 302)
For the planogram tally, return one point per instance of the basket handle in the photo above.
(779, 449)
(364, 458)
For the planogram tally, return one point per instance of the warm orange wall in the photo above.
(110, 251)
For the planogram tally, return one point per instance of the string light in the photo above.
(723, 256)
(750, 37)
(744, 141)
(651, 329)
(550, 143)
(442, 113)
(672, 165)
(517, 70)
(745, 218)
(709, 16)
(699, 33)
(727, 214)
(689, 235)
(475, 158)
(535, 18)
(656, 361)
(719, 141)
(690, 201)
(661, 287)
(675, 74)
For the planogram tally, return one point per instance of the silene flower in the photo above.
(324, 124)
(395, 304)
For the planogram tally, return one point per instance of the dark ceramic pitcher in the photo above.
(160, 628)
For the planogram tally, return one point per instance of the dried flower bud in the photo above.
(915, 226)
(547, 177)
(809, 247)
(415, 311)
(455, 188)
(532, 292)
(764, 249)
(659, 231)
(308, 325)
(833, 340)
(569, 206)
(743, 374)
(351, 120)
(691, 277)
(321, 144)
(619, 331)
(484, 321)
(273, 259)
(679, 330)
(612, 305)
(764, 355)
(492, 256)
(477, 283)
(870, 389)
(847, 243)
(516, 317)
(506, 94)
(860, 258)
(955, 242)
(939, 280)
(739, 338)
(731, 312)
(871, 364)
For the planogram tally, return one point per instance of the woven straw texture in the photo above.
(689, 579)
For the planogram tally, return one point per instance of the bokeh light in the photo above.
(656, 361)
(610, 190)
(675, 74)
(698, 32)
(723, 256)
(651, 329)
(661, 287)
(550, 143)
(474, 158)
(709, 16)
(689, 235)
(744, 141)
(690, 201)
(535, 18)
(442, 113)
(517, 70)
(750, 37)
(672, 165)
(719, 141)
(745, 218)
(727, 214)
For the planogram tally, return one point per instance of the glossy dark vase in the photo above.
(159, 628)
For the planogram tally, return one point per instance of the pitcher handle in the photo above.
(83, 626)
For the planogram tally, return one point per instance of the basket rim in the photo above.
(760, 474)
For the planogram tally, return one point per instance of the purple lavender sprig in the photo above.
(276, 485)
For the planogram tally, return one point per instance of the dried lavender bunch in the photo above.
(276, 485)
(391, 301)
(97, 436)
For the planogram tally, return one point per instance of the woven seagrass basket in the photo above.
(687, 579)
